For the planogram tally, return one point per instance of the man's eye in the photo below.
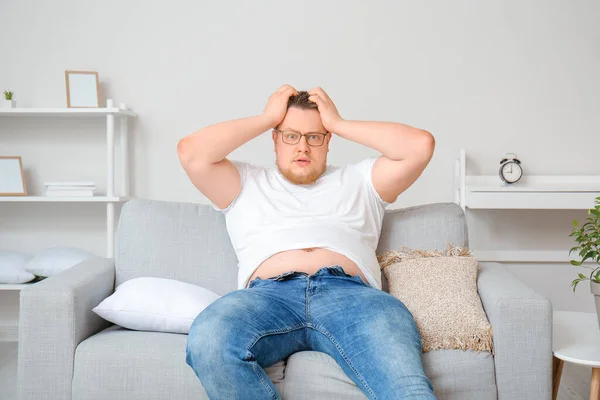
(291, 136)
(314, 137)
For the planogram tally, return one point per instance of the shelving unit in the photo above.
(60, 112)
(47, 199)
(18, 286)
(541, 192)
(112, 115)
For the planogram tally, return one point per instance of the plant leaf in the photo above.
(588, 255)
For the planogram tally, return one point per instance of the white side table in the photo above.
(576, 339)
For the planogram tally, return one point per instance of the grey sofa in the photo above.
(67, 352)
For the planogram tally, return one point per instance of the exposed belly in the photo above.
(304, 260)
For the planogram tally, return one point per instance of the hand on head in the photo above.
(276, 107)
(330, 116)
(277, 104)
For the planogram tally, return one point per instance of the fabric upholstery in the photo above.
(522, 324)
(120, 364)
(55, 316)
(182, 241)
(62, 355)
(427, 227)
(189, 242)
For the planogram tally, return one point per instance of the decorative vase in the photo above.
(9, 104)
(595, 289)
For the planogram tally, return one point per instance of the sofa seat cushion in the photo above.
(119, 363)
(122, 364)
(455, 375)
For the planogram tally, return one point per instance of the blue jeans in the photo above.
(370, 333)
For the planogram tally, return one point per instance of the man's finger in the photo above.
(319, 92)
(322, 93)
(315, 98)
(290, 91)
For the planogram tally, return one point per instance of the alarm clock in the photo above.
(510, 168)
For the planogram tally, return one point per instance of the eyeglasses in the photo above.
(313, 139)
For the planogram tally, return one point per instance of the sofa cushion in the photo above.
(121, 364)
(455, 375)
(189, 242)
(439, 288)
(155, 305)
(182, 241)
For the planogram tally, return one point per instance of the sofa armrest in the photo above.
(56, 315)
(522, 327)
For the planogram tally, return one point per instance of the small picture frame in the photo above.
(12, 177)
(83, 89)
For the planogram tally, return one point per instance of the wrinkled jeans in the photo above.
(370, 333)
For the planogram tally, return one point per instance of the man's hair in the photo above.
(301, 101)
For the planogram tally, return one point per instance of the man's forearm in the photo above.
(215, 142)
(394, 140)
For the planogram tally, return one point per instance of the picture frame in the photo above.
(83, 89)
(12, 176)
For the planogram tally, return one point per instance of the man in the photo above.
(305, 235)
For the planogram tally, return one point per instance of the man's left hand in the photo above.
(330, 117)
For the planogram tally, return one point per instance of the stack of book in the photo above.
(69, 189)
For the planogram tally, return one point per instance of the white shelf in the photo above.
(16, 286)
(536, 184)
(47, 199)
(116, 122)
(539, 192)
(53, 112)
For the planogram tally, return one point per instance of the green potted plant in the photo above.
(587, 237)
(9, 102)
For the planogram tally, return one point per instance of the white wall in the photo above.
(494, 77)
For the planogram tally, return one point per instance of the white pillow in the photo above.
(155, 304)
(57, 259)
(12, 267)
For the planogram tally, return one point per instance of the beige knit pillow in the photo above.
(439, 288)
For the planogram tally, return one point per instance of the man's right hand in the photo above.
(276, 107)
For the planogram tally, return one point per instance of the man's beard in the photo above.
(311, 177)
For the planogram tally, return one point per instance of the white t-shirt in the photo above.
(341, 211)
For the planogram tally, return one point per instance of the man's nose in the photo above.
(303, 144)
